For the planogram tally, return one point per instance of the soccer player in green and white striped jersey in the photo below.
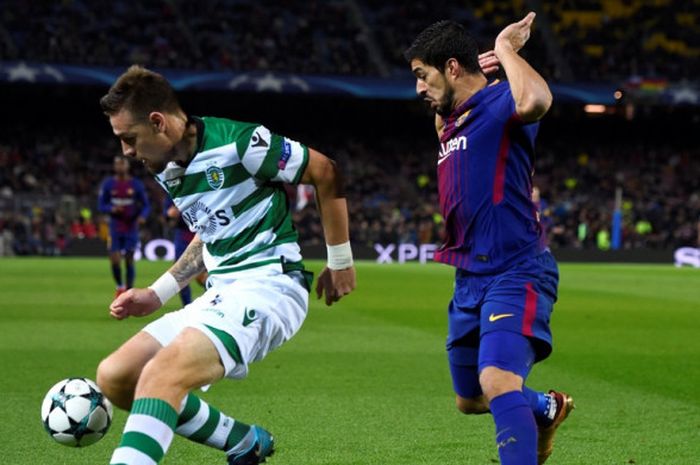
(226, 177)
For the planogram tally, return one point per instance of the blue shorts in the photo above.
(518, 301)
(123, 242)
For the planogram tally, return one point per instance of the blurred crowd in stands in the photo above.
(577, 40)
(49, 177)
(49, 184)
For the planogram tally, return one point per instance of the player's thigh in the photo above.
(505, 360)
(521, 301)
(244, 319)
(130, 242)
(116, 243)
(123, 367)
(190, 361)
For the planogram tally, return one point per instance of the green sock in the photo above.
(148, 433)
(202, 423)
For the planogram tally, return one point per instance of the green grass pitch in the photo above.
(366, 382)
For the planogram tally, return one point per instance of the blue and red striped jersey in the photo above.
(485, 168)
(125, 201)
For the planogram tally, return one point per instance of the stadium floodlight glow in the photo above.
(594, 108)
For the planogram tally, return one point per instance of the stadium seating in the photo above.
(583, 40)
(580, 40)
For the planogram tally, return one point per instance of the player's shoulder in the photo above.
(213, 123)
(223, 131)
(496, 90)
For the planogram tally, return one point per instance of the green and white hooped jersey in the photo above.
(231, 195)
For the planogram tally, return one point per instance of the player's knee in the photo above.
(495, 381)
(116, 382)
(472, 406)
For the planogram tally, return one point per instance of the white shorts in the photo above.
(245, 318)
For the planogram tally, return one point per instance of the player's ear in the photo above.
(157, 120)
(452, 68)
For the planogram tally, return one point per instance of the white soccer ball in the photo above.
(76, 413)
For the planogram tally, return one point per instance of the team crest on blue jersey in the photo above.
(462, 118)
(286, 154)
(215, 177)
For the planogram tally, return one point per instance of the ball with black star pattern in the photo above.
(75, 412)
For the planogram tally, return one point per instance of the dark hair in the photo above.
(444, 40)
(140, 91)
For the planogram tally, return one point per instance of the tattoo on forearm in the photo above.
(190, 264)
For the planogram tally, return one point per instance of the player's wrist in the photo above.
(503, 47)
(165, 287)
(339, 256)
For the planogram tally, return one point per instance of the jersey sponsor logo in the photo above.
(447, 148)
(249, 316)
(199, 218)
(216, 312)
(122, 201)
(286, 154)
(500, 316)
(215, 177)
(258, 141)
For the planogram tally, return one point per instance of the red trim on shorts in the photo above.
(530, 309)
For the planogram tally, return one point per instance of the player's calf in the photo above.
(473, 406)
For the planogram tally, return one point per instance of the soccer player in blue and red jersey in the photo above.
(123, 197)
(506, 279)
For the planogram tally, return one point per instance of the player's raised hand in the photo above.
(335, 284)
(488, 62)
(515, 35)
(134, 302)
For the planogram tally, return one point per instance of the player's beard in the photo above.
(445, 105)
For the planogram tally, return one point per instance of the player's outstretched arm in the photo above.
(141, 302)
(338, 277)
(530, 91)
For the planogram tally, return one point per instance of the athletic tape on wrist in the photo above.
(339, 256)
(165, 287)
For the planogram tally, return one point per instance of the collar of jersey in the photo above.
(199, 122)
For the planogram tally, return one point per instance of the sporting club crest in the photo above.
(215, 177)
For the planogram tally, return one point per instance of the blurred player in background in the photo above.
(124, 199)
(182, 236)
(226, 178)
(506, 279)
